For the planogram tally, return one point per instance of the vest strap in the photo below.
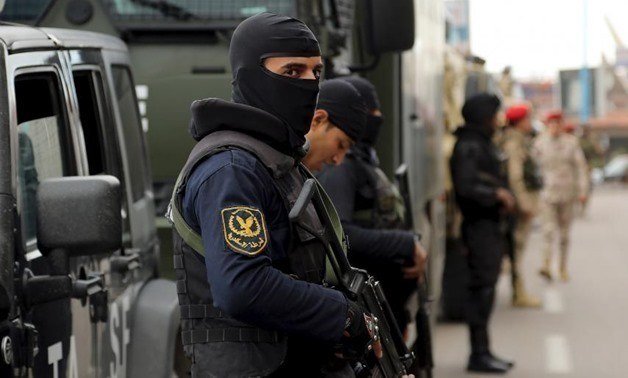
(200, 312)
(181, 287)
(330, 276)
(178, 261)
(187, 233)
(229, 334)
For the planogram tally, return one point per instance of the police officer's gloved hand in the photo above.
(360, 333)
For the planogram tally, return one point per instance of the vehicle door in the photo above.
(133, 148)
(114, 145)
(45, 144)
(136, 176)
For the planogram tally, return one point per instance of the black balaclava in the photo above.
(479, 110)
(345, 107)
(291, 100)
(369, 94)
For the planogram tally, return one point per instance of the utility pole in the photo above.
(585, 110)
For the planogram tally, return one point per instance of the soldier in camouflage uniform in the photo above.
(525, 183)
(593, 154)
(565, 179)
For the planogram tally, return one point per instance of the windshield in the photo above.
(24, 11)
(156, 10)
(151, 11)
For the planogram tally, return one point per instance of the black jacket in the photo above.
(476, 174)
(343, 183)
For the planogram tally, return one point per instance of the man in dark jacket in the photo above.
(371, 211)
(250, 282)
(482, 195)
(338, 122)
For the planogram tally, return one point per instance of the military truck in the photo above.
(179, 52)
(79, 252)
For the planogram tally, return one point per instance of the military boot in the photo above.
(564, 275)
(521, 298)
(481, 359)
(546, 270)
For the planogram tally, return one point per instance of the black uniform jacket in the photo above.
(476, 174)
(343, 184)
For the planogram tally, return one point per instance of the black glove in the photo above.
(359, 334)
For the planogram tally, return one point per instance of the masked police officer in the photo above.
(338, 122)
(250, 281)
(371, 210)
(482, 195)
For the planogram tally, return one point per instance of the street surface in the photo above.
(582, 330)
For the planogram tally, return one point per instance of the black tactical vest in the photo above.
(387, 210)
(204, 326)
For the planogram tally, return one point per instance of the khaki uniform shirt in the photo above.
(517, 146)
(453, 217)
(563, 167)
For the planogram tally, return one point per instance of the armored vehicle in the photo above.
(179, 52)
(79, 295)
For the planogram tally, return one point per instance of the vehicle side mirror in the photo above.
(80, 214)
(389, 25)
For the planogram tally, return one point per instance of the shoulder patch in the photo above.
(244, 229)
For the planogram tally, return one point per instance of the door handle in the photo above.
(125, 263)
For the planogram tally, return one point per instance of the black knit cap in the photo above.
(344, 105)
(366, 89)
(480, 109)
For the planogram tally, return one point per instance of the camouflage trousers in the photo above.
(556, 218)
(522, 233)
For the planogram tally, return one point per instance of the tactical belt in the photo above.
(200, 311)
(234, 334)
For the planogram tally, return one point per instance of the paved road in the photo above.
(582, 331)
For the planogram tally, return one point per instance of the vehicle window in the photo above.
(129, 10)
(43, 141)
(30, 11)
(131, 129)
(103, 155)
(26, 11)
(88, 96)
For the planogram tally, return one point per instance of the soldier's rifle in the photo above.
(423, 346)
(357, 285)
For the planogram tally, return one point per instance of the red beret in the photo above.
(554, 115)
(516, 113)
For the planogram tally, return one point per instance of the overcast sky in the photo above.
(539, 37)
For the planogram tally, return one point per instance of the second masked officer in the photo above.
(249, 282)
(338, 123)
(371, 211)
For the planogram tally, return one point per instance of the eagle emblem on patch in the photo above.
(244, 229)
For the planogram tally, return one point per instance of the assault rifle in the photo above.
(357, 285)
(422, 347)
